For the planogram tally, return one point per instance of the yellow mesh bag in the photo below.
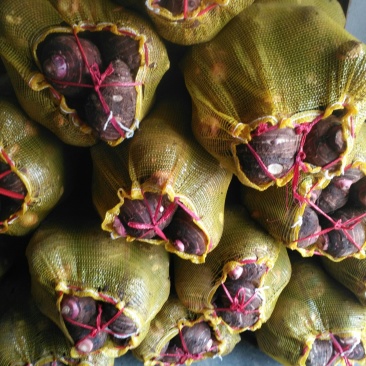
(282, 211)
(37, 158)
(24, 28)
(314, 313)
(73, 256)
(275, 66)
(27, 337)
(190, 26)
(242, 244)
(168, 324)
(351, 273)
(163, 158)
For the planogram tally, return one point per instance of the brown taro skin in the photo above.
(276, 148)
(357, 194)
(309, 228)
(324, 142)
(117, 100)
(10, 181)
(176, 7)
(62, 62)
(321, 353)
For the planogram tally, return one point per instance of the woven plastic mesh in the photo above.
(74, 256)
(163, 157)
(37, 158)
(166, 325)
(274, 64)
(200, 25)
(312, 306)
(332, 8)
(23, 29)
(27, 337)
(242, 240)
(278, 211)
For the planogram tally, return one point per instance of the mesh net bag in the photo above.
(137, 72)
(27, 337)
(278, 91)
(316, 321)
(318, 215)
(240, 281)
(178, 336)
(162, 187)
(351, 273)
(101, 293)
(187, 22)
(32, 171)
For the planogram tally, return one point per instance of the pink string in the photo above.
(340, 353)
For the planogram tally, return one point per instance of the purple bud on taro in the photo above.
(277, 150)
(12, 201)
(357, 194)
(324, 142)
(119, 47)
(185, 235)
(352, 347)
(320, 353)
(149, 212)
(197, 338)
(310, 226)
(236, 272)
(124, 326)
(176, 7)
(110, 124)
(62, 62)
(336, 242)
(79, 309)
(335, 195)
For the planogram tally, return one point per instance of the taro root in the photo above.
(185, 235)
(345, 241)
(123, 326)
(320, 354)
(143, 218)
(172, 352)
(62, 62)
(197, 339)
(352, 347)
(12, 192)
(276, 148)
(309, 227)
(112, 111)
(78, 309)
(336, 194)
(357, 193)
(119, 47)
(176, 7)
(324, 142)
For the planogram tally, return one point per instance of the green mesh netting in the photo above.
(242, 242)
(27, 337)
(24, 28)
(351, 273)
(38, 159)
(280, 210)
(72, 255)
(312, 307)
(168, 324)
(278, 65)
(163, 158)
(190, 27)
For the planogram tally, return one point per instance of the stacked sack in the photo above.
(169, 213)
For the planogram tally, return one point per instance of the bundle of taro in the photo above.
(27, 337)
(32, 171)
(269, 102)
(351, 273)
(316, 321)
(101, 293)
(187, 22)
(242, 278)
(162, 187)
(180, 337)
(85, 70)
(324, 216)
